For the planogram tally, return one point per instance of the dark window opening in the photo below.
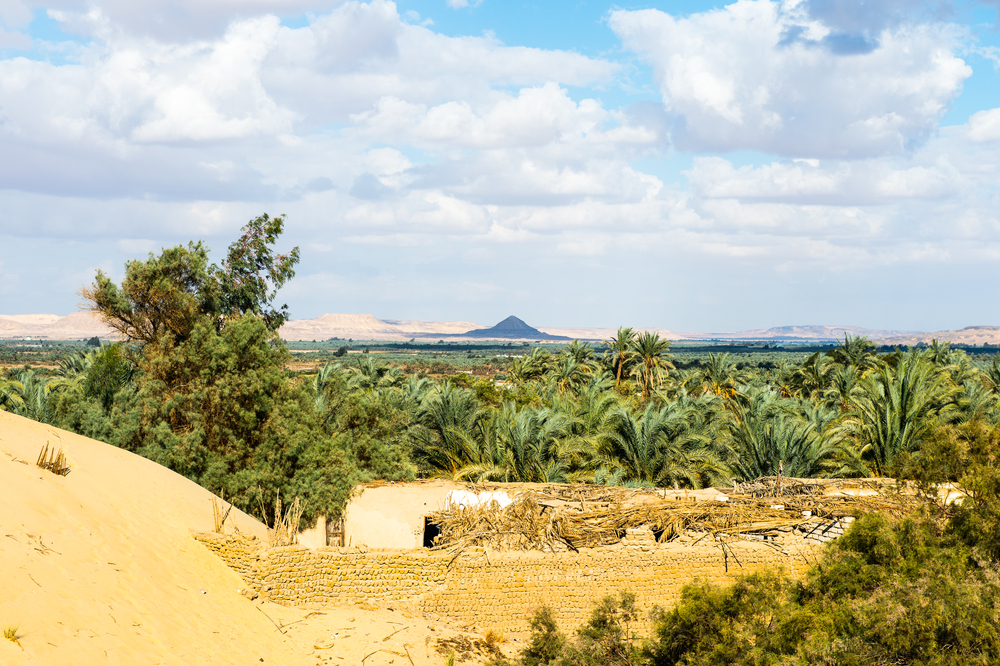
(431, 532)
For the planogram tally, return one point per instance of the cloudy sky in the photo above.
(695, 166)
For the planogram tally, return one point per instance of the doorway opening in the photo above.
(431, 532)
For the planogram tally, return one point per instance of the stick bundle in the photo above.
(52, 461)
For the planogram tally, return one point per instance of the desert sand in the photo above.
(100, 568)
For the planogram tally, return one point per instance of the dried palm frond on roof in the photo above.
(572, 517)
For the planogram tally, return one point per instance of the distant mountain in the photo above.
(970, 335)
(368, 327)
(81, 325)
(75, 326)
(511, 328)
(801, 333)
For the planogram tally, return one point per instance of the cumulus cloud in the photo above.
(985, 125)
(535, 117)
(504, 166)
(166, 20)
(835, 183)
(14, 39)
(762, 75)
(134, 115)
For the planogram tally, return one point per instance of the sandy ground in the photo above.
(99, 567)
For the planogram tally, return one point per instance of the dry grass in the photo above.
(285, 528)
(52, 461)
(10, 633)
(218, 515)
(463, 648)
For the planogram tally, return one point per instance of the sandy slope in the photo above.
(99, 568)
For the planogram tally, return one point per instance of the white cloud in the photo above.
(423, 165)
(758, 75)
(138, 246)
(168, 20)
(536, 117)
(838, 183)
(985, 125)
(13, 39)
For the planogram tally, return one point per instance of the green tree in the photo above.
(719, 376)
(619, 353)
(661, 446)
(547, 642)
(448, 437)
(813, 375)
(896, 408)
(651, 354)
(524, 445)
(855, 352)
(172, 293)
(765, 433)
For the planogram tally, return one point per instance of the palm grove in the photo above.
(199, 384)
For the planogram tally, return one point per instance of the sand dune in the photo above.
(99, 567)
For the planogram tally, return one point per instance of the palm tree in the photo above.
(11, 395)
(620, 353)
(811, 376)
(581, 352)
(650, 352)
(719, 376)
(976, 402)
(661, 446)
(332, 378)
(530, 367)
(523, 445)
(843, 384)
(991, 375)
(939, 353)
(372, 375)
(568, 373)
(785, 377)
(895, 409)
(448, 436)
(856, 352)
(27, 394)
(766, 433)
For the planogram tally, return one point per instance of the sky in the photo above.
(686, 165)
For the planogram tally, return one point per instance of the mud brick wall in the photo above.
(297, 575)
(827, 530)
(499, 591)
(241, 553)
(502, 593)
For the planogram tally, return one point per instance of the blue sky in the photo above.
(688, 165)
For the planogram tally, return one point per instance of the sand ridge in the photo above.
(100, 568)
